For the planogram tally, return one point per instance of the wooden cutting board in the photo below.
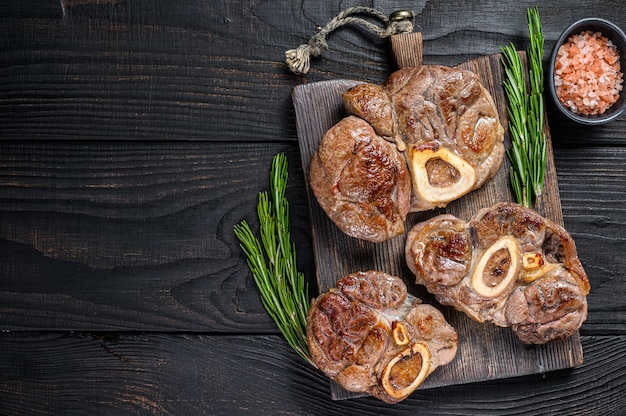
(485, 352)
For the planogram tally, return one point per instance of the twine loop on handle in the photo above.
(398, 22)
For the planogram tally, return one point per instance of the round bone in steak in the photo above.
(507, 265)
(370, 335)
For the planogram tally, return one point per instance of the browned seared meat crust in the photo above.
(369, 335)
(441, 124)
(507, 265)
(361, 181)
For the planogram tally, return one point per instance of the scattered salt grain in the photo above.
(587, 73)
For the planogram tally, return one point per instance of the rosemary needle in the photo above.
(526, 115)
(272, 261)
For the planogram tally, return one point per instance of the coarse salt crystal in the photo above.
(596, 61)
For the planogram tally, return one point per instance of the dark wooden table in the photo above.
(135, 134)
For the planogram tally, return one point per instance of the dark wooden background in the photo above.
(133, 136)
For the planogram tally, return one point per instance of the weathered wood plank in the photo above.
(134, 232)
(147, 374)
(100, 236)
(116, 236)
(40, 9)
(156, 70)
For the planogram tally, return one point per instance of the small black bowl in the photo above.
(616, 35)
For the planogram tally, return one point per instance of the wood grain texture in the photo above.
(159, 70)
(484, 351)
(135, 134)
(162, 374)
(104, 236)
(407, 49)
(110, 206)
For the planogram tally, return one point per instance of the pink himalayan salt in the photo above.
(587, 73)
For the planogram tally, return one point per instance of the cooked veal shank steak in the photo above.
(361, 181)
(369, 335)
(507, 265)
(431, 132)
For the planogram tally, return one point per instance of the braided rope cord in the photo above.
(299, 59)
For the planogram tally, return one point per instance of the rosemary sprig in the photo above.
(272, 261)
(526, 115)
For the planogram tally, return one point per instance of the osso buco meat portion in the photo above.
(507, 265)
(361, 181)
(370, 335)
(427, 136)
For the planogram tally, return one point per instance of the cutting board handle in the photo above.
(407, 49)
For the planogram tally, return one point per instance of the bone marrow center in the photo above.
(406, 371)
(440, 175)
(400, 334)
(497, 268)
(536, 266)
